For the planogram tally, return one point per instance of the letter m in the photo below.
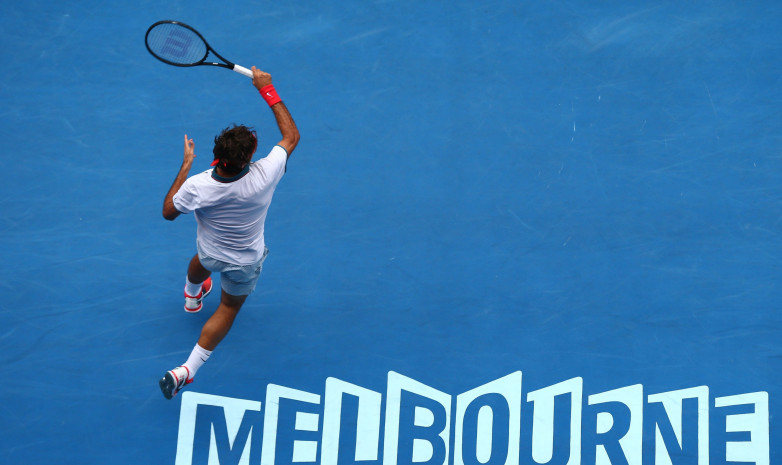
(218, 430)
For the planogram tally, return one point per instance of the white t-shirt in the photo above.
(231, 212)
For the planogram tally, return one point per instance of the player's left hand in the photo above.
(189, 150)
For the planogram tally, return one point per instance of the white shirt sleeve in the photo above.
(275, 163)
(187, 199)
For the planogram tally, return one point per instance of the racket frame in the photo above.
(225, 64)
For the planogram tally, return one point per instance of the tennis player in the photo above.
(230, 202)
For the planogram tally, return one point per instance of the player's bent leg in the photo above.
(214, 330)
(196, 273)
(239, 283)
(218, 325)
(197, 286)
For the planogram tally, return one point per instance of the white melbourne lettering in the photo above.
(560, 424)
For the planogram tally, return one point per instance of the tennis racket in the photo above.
(178, 44)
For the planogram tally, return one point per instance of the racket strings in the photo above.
(176, 44)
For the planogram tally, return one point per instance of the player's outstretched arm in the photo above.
(169, 210)
(290, 133)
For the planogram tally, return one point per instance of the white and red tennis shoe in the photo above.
(193, 303)
(173, 381)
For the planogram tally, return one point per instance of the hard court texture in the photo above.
(575, 194)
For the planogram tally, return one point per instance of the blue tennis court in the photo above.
(513, 233)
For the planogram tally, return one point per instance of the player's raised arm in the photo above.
(169, 210)
(290, 134)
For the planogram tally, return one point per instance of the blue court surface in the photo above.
(513, 233)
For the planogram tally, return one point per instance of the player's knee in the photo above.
(232, 302)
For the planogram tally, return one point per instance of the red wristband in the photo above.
(270, 95)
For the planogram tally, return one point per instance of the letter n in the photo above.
(681, 426)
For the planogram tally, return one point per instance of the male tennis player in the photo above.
(230, 203)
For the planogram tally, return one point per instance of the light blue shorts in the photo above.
(234, 279)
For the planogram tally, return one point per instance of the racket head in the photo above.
(176, 43)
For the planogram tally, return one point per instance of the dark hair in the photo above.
(234, 148)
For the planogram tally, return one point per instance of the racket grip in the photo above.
(243, 70)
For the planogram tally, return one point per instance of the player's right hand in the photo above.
(261, 78)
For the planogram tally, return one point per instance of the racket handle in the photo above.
(243, 70)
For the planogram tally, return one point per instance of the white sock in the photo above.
(192, 289)
(198, 357)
